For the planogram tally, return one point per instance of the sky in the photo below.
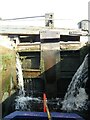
(66, 12)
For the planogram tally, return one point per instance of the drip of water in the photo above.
(31, 85)
(76, 97)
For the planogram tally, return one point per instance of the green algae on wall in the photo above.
(7, 71)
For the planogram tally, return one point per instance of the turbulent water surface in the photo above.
(76, 97)
(23, 102)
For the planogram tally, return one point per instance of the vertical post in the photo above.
(49, 20)
(46, 109)
(89, 22)
(44, 105)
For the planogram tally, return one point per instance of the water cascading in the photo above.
(23, 102)
(76, 97)
(19, 73)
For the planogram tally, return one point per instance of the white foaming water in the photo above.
(76, 97)
(24, 103)
(19, 73)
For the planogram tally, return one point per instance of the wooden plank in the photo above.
(28, 47)
(28, 73)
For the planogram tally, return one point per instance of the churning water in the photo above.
(22, 102)
(26, 103)
(76, 97)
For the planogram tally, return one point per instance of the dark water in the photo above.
(76, 98)
(24, 102)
